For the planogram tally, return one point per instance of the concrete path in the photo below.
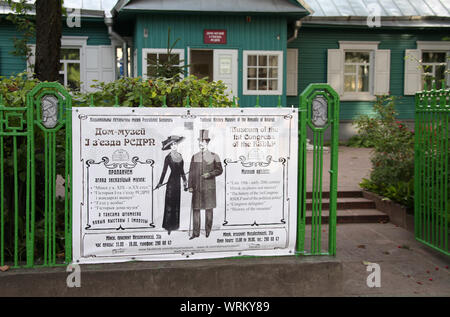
(408, 268)
(405, 271)
(353, 165)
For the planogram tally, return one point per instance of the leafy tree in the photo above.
(46, 28)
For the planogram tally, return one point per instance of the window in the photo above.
(429, 62)
(154, 57)
(359, 70)
(434, 64)
(69, 74)
(263, 72)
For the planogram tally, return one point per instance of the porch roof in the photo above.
(278, 7)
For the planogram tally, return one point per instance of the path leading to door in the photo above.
(354, 165)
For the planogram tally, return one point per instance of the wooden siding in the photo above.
(313, 43)
(262, 33)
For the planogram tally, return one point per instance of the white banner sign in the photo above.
(183, 183)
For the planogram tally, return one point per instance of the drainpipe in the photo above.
(109, 24)
(297, 26)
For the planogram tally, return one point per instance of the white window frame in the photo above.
(360, 46)
(279, 91)
(434, 46)
(78, 42)
(158, 51)
(64, 62)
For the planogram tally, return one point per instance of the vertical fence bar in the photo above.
(332, 217)
(301, 222)
(446, 189)
(2, 205)
(431, 170)
(417, 169)
(16, 203)
(68, 184)
(53, 166)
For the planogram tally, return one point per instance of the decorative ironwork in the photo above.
(319, 112)
(49, 106)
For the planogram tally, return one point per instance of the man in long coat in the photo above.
(205, 167)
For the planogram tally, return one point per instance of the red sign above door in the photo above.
(215, 36)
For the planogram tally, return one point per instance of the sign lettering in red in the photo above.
(215, 36)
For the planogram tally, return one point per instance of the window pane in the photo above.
(273, 60)
(61, 78)
(357, 57)
(440, 72)
(349, 83)
(428, 80)
(350, 69)
(262, 85)
(434, 57)
(73, 76)
(363, 80)
(251, 60)
(151, 71)
(428, 69)
(273, 84)
(163, 58)
(252, 72)
(152, 59)
(262, 60)
(273, 73)
(262, 73)
(251, 84)
(70, 54)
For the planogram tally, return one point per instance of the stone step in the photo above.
(340, 194)
(352, 216)
(345, 203)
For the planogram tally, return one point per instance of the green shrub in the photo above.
(392, 172)
(128, 91)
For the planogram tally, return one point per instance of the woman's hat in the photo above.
(170, 140)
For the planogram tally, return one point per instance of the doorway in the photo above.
(216, 64)
(202, 64)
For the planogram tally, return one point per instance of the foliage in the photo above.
(13, 91)
(360, 141)
(25, 25)
(400, 192)
(393, 157)
(130, 90)
(171, 68)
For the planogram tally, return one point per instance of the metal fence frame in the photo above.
(29, 121)
(431, 191)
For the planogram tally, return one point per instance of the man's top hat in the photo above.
(204, 135)
(170, 140)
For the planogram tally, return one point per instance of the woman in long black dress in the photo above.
(174, 160)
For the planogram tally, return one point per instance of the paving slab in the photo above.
(408, 268)
(353, 165)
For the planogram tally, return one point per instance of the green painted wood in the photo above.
(313, 43)
(262, 33)
(96, 31)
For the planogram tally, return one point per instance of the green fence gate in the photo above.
(432, 178)
(36, 155)
(35, 225)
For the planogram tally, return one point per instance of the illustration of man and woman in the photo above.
(205, 166)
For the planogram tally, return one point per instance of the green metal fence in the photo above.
(432, 178)
(319, 111)
(36, 153)
(35, 225)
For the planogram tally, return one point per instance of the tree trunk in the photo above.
(48, 39)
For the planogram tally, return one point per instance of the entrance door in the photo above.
(226, 69)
